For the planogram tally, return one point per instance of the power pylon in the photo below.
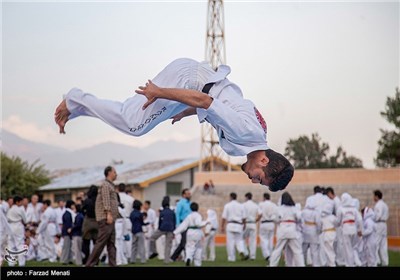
(215, 55)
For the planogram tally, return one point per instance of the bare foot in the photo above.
(61, 116)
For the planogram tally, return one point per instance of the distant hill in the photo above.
(101, 154)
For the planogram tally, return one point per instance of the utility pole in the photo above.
(215, 55)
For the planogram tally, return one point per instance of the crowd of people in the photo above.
(107, 225)
(329, 231)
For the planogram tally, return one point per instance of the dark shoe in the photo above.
(188, 262)
(152, 256)
(103, 259)
(243, 257)
(267, 258)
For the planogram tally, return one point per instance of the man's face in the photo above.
(187, 195)
(255, 172)
(25, 201)
(330, 195)
(34, 199)
(112, 175)
(376, 198)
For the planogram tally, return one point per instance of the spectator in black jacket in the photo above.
(90, 228)
(77, 235)
(166, 226)
(137, 221)
(66, 232)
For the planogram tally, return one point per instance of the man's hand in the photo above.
(109, 218)
(188, 112)
(177, 117)
(151, 91)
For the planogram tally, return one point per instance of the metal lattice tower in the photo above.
(215, 55)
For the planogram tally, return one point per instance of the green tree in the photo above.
(306, 153)
(388, 154)
(18, 177)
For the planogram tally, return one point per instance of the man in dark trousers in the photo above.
(106, 213)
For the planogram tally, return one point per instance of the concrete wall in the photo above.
(359, 183)
(156, 191)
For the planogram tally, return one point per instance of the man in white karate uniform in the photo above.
(47, 230)
(233, 216)
(250, 233)
(17, 220)
(381, 216)
(187, 87)
(269, 216)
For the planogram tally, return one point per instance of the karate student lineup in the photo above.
(106, 226)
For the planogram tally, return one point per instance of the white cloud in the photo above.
(41, 134)
(49, 135)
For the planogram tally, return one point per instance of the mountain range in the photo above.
(102, 154)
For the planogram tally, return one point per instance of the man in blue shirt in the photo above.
(182, 210)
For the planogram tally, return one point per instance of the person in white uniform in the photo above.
(6, 235)
(287, 233)
(311, 229)
(329, 227)
(127, 201)
(381, 216)
(250, 233)
(369, 238)
(234, 217)
(269, 216)
(17, 220)
(47, 230)
(210, 232)
(150, 227)
(348, 219)
(36, 208)
(338, 244)
(193, 224)
(187, 87)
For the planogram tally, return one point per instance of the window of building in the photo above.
(174, 188)
(64, 196)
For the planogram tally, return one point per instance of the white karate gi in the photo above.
(288, 235)
(16, 219)
(269, 216)
(234, 214)
(369, 238)
(210, 230)
(381, 216)
(193, 247)
(250, 233)
(311, 228)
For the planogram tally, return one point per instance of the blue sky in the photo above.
(323, 67)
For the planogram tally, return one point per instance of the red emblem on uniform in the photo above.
(261, 120)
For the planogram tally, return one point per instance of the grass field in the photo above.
(221, 260)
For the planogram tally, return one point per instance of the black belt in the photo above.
(250, 222)
(235, 222)
(194, 227)
(213, 229)
(267, 221)
(207, 87)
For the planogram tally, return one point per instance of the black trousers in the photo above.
(180, 247)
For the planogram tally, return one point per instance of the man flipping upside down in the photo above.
(186, 87)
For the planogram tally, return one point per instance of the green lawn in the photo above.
(394, 260)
